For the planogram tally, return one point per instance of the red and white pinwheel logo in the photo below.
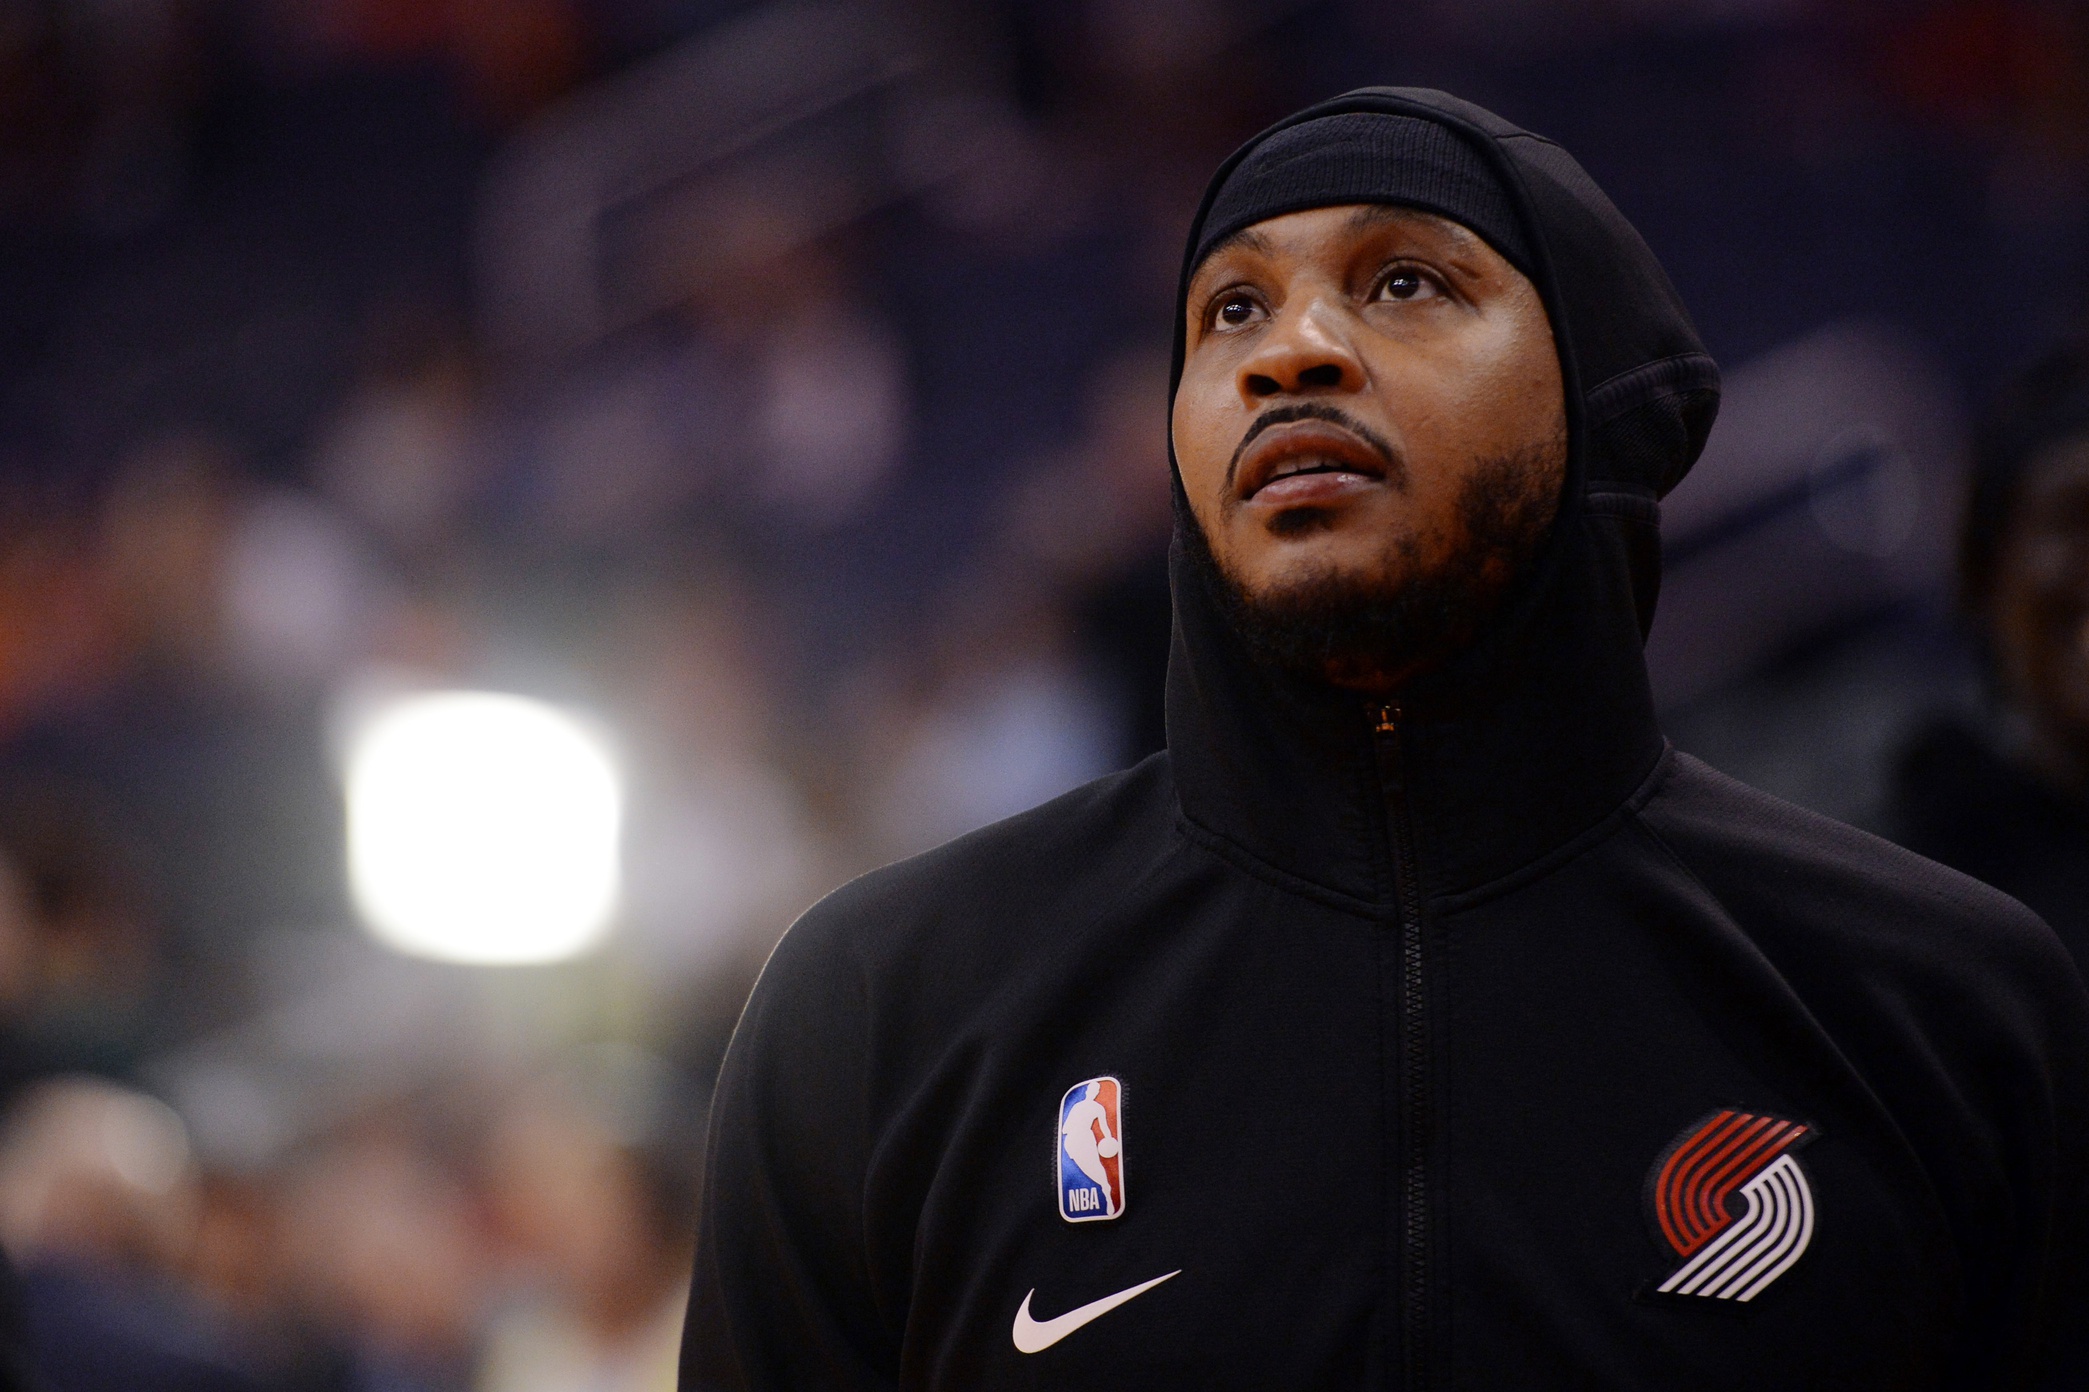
(1730, 1197)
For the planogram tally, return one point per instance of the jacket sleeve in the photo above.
(783, 1294)
(2014, 1059)
(2009, 1055)
(2057, 1316)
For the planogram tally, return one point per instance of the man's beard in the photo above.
(1371, 632)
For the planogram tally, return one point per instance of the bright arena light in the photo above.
(482, 828)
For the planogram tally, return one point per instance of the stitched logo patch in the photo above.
(1731, 1200)
(1090, 1151)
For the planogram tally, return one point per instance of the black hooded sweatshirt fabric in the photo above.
(1474, 1038)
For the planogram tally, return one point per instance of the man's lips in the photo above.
(1303, 461)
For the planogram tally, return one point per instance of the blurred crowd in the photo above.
(782, 385)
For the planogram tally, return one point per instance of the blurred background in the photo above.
(760, 408)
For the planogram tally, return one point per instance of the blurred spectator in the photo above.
(303, 596)
(403, 456)
(2007, 800)
(164, 526)
(57, 638)
(511, 55)
(996, 717)
(383, 1249)
(81, 955)
(827, 377)
(721, 853)
(185, 761)
(1046, 668)
(1098, 519)
(96, 108)
(232, 1263)
(16, 1372)
(98, 1205)
(593, 1188)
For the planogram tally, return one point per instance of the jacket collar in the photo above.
(1508, 753)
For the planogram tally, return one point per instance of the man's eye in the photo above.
(1235, 310)
(1405, 285)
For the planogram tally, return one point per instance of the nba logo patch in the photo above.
(1090, 1151)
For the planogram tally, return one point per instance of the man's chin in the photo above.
(1360, 627)
(1369, 618)
(1328, 618)
(1305, 580)
(1352, 628)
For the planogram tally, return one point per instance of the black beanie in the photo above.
(1367, 157)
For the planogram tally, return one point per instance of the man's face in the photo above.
(2038, 609)
(1371, 431)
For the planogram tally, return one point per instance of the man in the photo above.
(1570, 1062)
(2009, 804)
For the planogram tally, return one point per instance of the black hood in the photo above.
(1545, 725)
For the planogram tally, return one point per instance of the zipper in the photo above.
(1416, 1130)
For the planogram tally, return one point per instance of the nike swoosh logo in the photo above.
(1034, 1336)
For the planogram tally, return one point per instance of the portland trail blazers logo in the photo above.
(1730, 1197)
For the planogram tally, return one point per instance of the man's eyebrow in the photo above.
(1246, 237)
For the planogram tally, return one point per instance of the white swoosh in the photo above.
(1032, 1336)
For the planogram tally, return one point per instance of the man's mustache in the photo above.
(1316, 410)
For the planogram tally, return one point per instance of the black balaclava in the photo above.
(1545, 722)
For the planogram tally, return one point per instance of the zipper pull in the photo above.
(1388, 720)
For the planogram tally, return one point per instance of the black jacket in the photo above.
(1447, 1032)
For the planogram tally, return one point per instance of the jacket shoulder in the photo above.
(1956, 1006)
(1806, 883)
(973, 895)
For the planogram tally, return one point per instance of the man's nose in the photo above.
(1305, 352)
